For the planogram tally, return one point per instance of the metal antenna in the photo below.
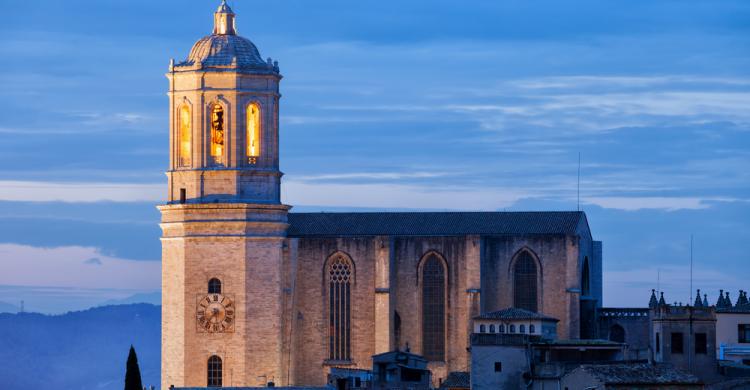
(691, 268)
(578, 188)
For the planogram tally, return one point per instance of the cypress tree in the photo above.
(133, 373)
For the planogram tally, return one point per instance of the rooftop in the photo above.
(457, 379)
(434, 223)
(514, 313)
(638, 374)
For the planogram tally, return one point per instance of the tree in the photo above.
(133, 373)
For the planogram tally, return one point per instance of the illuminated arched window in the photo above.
(433, 309)
(522, 328)
(492, 328)
(214, 286)
(525, 282)
(340, 276)
(214, 372)
(482, 329)
(501, 328)
(253, 133)
(512, 328)
(532, 329)
(184, 135)
(217, 132)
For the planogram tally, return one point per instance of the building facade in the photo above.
(254, 294)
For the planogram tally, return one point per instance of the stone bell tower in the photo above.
(223, 225)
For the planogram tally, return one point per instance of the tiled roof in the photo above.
(638, 374)
(514, 313)
(224, 50)
(457, 380)
(433, 223)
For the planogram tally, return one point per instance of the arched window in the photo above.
(501, 328)
(184, 136)
(482, 329)
(525, 282)
(433, 309)
(340, 275)
(532, 329)
(522, 328)
(214, 286)
(512, 328)
(217, 132)
(214, 372)
(585, 279)
(252, 136)
(492, 328)
(617, 333)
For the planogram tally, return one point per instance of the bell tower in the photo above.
(223, 224)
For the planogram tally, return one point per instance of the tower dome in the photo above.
(225, 50)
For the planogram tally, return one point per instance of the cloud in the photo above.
(30, 191)
(70, 267)
(93, 261)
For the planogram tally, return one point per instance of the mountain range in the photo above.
(83, 350)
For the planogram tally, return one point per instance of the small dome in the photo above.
(225, 50)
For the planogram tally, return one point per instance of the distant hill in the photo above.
(83, 350)
(153, 298)
(8, 308)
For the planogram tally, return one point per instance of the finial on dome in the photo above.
(224, 20)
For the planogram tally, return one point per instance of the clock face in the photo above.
(215, 313)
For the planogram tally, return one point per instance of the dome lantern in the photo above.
(224, 20)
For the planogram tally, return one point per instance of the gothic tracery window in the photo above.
(217, 132)
(214, 372)
(184, 135)
(433, 309)
(253, 132)
(340, 276)
(525, 282)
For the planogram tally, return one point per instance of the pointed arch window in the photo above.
(184, 136)
(214, 372)
(525, 282)
(217, 132)
(340, 276)
(433, 309)
(585, 278)
(253, 133)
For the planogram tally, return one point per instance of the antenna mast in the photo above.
(578, 187)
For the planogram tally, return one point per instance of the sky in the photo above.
(389, 105)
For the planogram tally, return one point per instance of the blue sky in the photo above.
(389, 105)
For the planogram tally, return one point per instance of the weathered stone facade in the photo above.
(224, 221)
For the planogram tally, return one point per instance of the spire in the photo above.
(698, 302)
(652, 303)
(224, 20)
(720, 301)
(705, 300)
(662, 302)
(743, 298)
(739, 299)
(727, 301)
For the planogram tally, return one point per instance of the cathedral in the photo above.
(254, 293)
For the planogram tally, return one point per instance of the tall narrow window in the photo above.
(617, 333)
(701, 343)
(340, 273)
(214, 286)
(253, 133)
(433, 309)
(214, 372)
(217, 132)
(585, 278)
(677, 343)
(184, 136)
(525, 283)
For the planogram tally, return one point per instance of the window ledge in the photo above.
(331, 362)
